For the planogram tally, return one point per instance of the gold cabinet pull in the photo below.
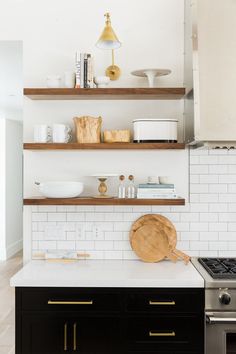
(74, 337)
(161, 334)
(162, 303)
(51, 302)
(65, 337)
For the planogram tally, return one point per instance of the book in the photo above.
(82, 70)
(155, 185)
(85, 70)
(77, 70)
(156, 190)
(90, 71)
(157, 196)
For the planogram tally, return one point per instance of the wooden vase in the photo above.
(88, 129)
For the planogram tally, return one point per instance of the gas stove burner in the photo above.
(220, 268)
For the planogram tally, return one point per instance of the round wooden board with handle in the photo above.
(153, 237)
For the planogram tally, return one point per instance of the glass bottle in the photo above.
(121, 189)
(131, 191)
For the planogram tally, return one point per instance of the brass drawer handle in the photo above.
(161, 334)
(74, 337)
(65, 337)
(50, 302)
(167, 303)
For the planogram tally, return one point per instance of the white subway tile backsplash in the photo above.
(104, 245)
(208, 179)
(56, 216)
(218, 226)
(85, 245)
(39, 217)
(209, 236)
(206, 226)
(75, 217)
(65, 245)
(218, 169)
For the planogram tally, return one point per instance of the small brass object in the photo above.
(162, 303)
(50, 302)
(161, 334)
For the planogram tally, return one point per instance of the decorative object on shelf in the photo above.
(102, 81)
(116, 136)
(151, 74)
(156, 191)
(84, 65)
(153, 180)
(61, 133)
(53, 81)
(153, 238)
(155, 130)
(42, 133)
(109, 40)
(69, 79)
(165, 180)
(88, 129)
(102, 188)
(63, 189)
(131, 190)
(121, 188)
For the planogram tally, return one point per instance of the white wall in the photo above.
(11, 79)
(14, 183)
(11, 136)
(2, 189)
(151, 36)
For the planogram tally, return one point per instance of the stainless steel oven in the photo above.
(220, 332)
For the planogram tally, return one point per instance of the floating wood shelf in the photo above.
(101, 201)
(105, 146)
(156, 93)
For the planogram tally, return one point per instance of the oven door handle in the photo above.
(219, 320)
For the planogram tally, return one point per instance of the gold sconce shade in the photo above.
(108, 38)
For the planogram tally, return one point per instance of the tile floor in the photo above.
(7, 304)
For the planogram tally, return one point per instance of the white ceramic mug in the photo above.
(61, 133)
(165, 180)
(69, 79)
(42, 133)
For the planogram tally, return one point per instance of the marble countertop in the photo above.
(108, 273)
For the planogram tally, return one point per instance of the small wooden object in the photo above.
(116, 136)
(153, 238)
(88, 129)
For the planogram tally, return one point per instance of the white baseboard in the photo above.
(14, 248)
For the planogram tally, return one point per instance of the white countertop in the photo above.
(108, 273)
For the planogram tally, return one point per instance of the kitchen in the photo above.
(113, 291)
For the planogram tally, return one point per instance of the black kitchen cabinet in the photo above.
(109, 320)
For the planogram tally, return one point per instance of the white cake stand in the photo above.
(151, 74)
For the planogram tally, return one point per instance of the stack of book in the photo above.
(156, 191)
(84, 70)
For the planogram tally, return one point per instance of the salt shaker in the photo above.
(131, 192)
(121, 189)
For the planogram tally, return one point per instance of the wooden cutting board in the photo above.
(153, 237)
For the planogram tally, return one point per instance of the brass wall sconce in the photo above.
(108, 40)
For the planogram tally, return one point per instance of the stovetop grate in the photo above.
(220, 268)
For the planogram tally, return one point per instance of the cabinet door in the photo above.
(44, 334)
(55, 334)
(96, 335)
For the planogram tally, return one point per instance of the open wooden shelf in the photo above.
(105, 146)
(156, 93)
(101, 201)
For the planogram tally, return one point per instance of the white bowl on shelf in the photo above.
(65, 189)
(102, 81)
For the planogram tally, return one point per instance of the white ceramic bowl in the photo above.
(61, 189)
(102, 81)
